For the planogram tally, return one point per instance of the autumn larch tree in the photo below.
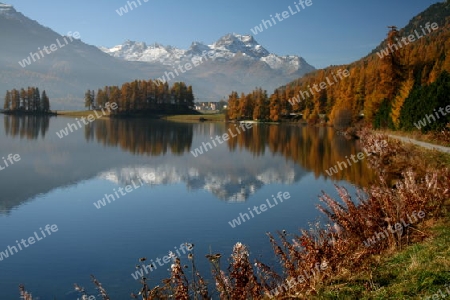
(45, 102)
(8, 100)
(88, 101)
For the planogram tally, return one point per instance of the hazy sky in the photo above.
(325, 33)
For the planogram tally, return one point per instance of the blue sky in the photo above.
(327, 32)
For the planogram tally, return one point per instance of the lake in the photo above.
(160, 196)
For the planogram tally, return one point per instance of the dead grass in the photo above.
(401, 265)
(196, 118)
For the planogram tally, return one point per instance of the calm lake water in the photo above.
(176, 197)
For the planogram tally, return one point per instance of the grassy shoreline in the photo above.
(80, 113)
(196, 118)
(186, 118)
(417, 270)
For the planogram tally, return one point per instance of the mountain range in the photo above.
(238, 62)
(225, 49)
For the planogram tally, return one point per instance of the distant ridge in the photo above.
(224, 49)
(66, 74)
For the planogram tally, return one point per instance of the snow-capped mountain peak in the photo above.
(140, 51)
(6, 7)
(197, 49)
(240, 43)
(9, 12)
(226, 48)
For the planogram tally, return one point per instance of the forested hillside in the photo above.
(376, 86)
